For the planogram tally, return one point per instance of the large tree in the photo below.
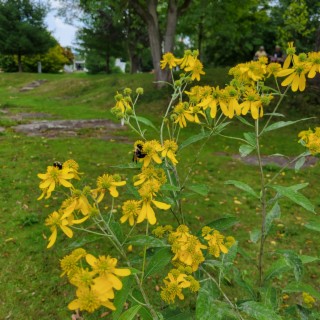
(22, 29)
(152, 13)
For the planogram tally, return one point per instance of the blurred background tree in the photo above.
(23, 31)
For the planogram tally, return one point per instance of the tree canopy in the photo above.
(22, 29)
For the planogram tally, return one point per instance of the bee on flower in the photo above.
(55, 177)
(151, 150)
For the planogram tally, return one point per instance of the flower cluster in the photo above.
(124, 103)
(188, 255)
(149, 182)
(246, 91)
(96, 283)
(81, 204)
(308, 300)
(311, 140)
(175, 282)
(58, 174)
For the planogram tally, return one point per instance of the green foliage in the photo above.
(22, 28)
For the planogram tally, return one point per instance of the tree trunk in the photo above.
(134, 62)
(150, 16)
(20, 62)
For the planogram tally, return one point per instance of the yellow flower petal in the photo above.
(52, 238)
(161, 205)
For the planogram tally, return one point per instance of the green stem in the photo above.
(144, 255)
(263, 206)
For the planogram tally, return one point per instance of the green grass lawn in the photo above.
(30, 283)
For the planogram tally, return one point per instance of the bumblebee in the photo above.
(58, 165)
(138, 153)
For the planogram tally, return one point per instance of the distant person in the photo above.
(277, 55)
(260, 53)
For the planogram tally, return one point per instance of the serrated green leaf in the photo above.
(302, 287)
(148, 241)
(158, 261)
(246, 122)
(245, 149)
(131, 165)
(259, 311)
(194, 139)
(229, 257)
(121, 297)
(169, 187)
(278, 267)
(255, 235)
(201, 189)
(313, 226)
(293, 260)
(250, 138)
(243, 283)
(243, 186)
(281, 124)
(145, 314)
(274, 213)
(208, 307)
(308, 259)
(222, 224)
(298, 165)
(130, 313)
(275, 114)
(294, 196)
(147, 122)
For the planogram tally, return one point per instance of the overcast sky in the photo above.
(64, 33)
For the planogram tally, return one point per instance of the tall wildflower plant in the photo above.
(196, 263)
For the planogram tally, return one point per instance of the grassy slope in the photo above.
(29, 279)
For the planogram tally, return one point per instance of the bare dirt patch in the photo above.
(104, 129)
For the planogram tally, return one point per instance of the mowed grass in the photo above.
(30, 282)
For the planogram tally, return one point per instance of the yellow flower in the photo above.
(174, 283)
(314, 59)
(54, 176)
(296, 75)
(130, 211)
(170, 148)
(69, 264)
(149, 174)
(182, 113)
(187, 58)
(195, 67)
(151, 150)
(73, 168)
(187, 248)
(110, 183)
(105, 267)
(217, 242)
(291, 50)
(148, 213)
(253, 70)
(90, 300)
(308, 299)
(273, 68)
(253, 103)
(54, 221)
(168, 59)
(78, 201)
(211, 101)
